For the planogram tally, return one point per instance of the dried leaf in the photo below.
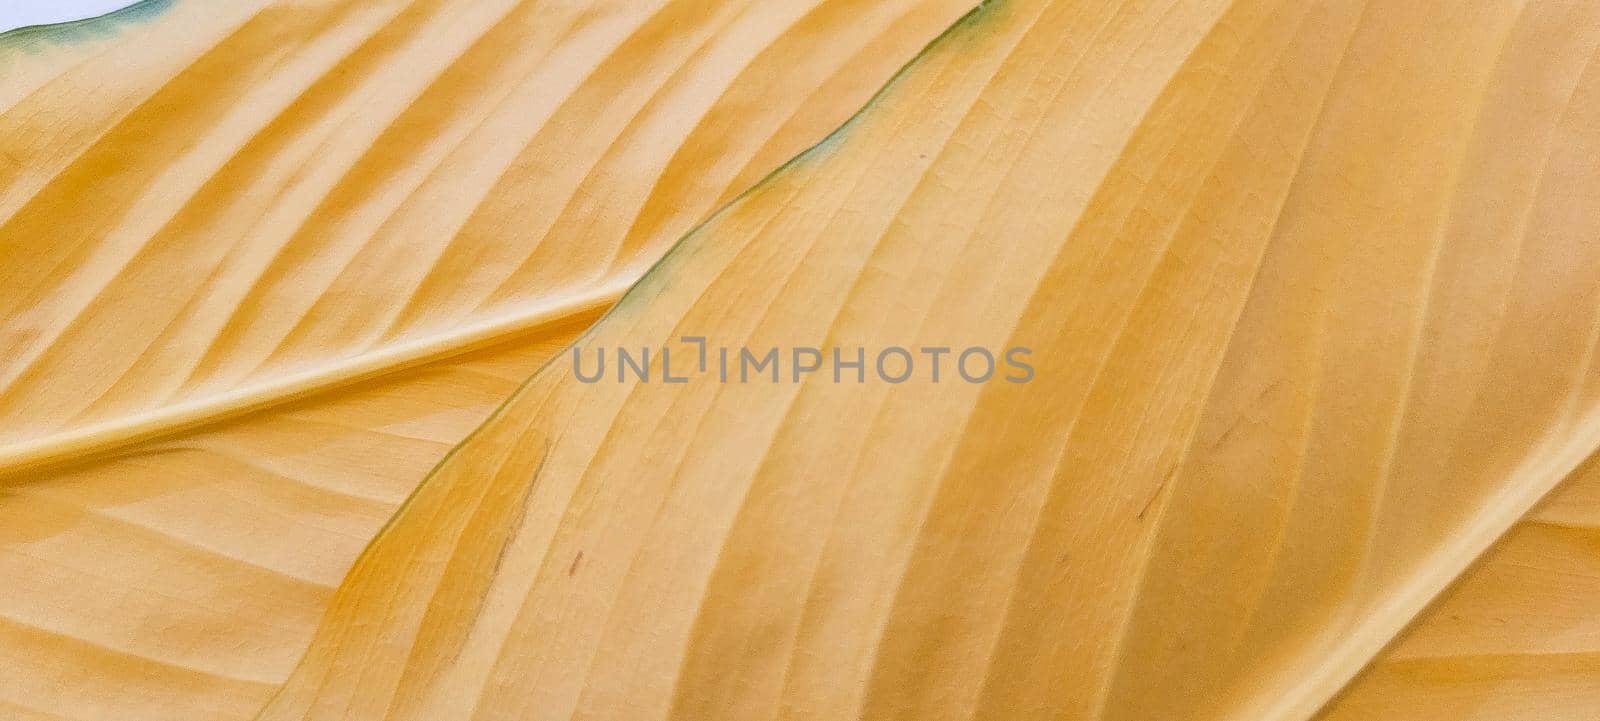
(266, 262)
(1310, 291)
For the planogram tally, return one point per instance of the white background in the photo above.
(21, 13)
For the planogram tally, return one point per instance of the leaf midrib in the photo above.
(96, 440)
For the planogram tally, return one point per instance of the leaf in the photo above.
(1310, 292)
(1515, 639)
(265, 263)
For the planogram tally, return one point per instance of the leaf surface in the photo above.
(265, 263)
(1516, 638)
(1310, 292)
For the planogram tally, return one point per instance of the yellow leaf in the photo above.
(263, 263)
(1517, 638)
(1310, 295)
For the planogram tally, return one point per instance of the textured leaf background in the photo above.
(1310, 286)
(265, 263)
